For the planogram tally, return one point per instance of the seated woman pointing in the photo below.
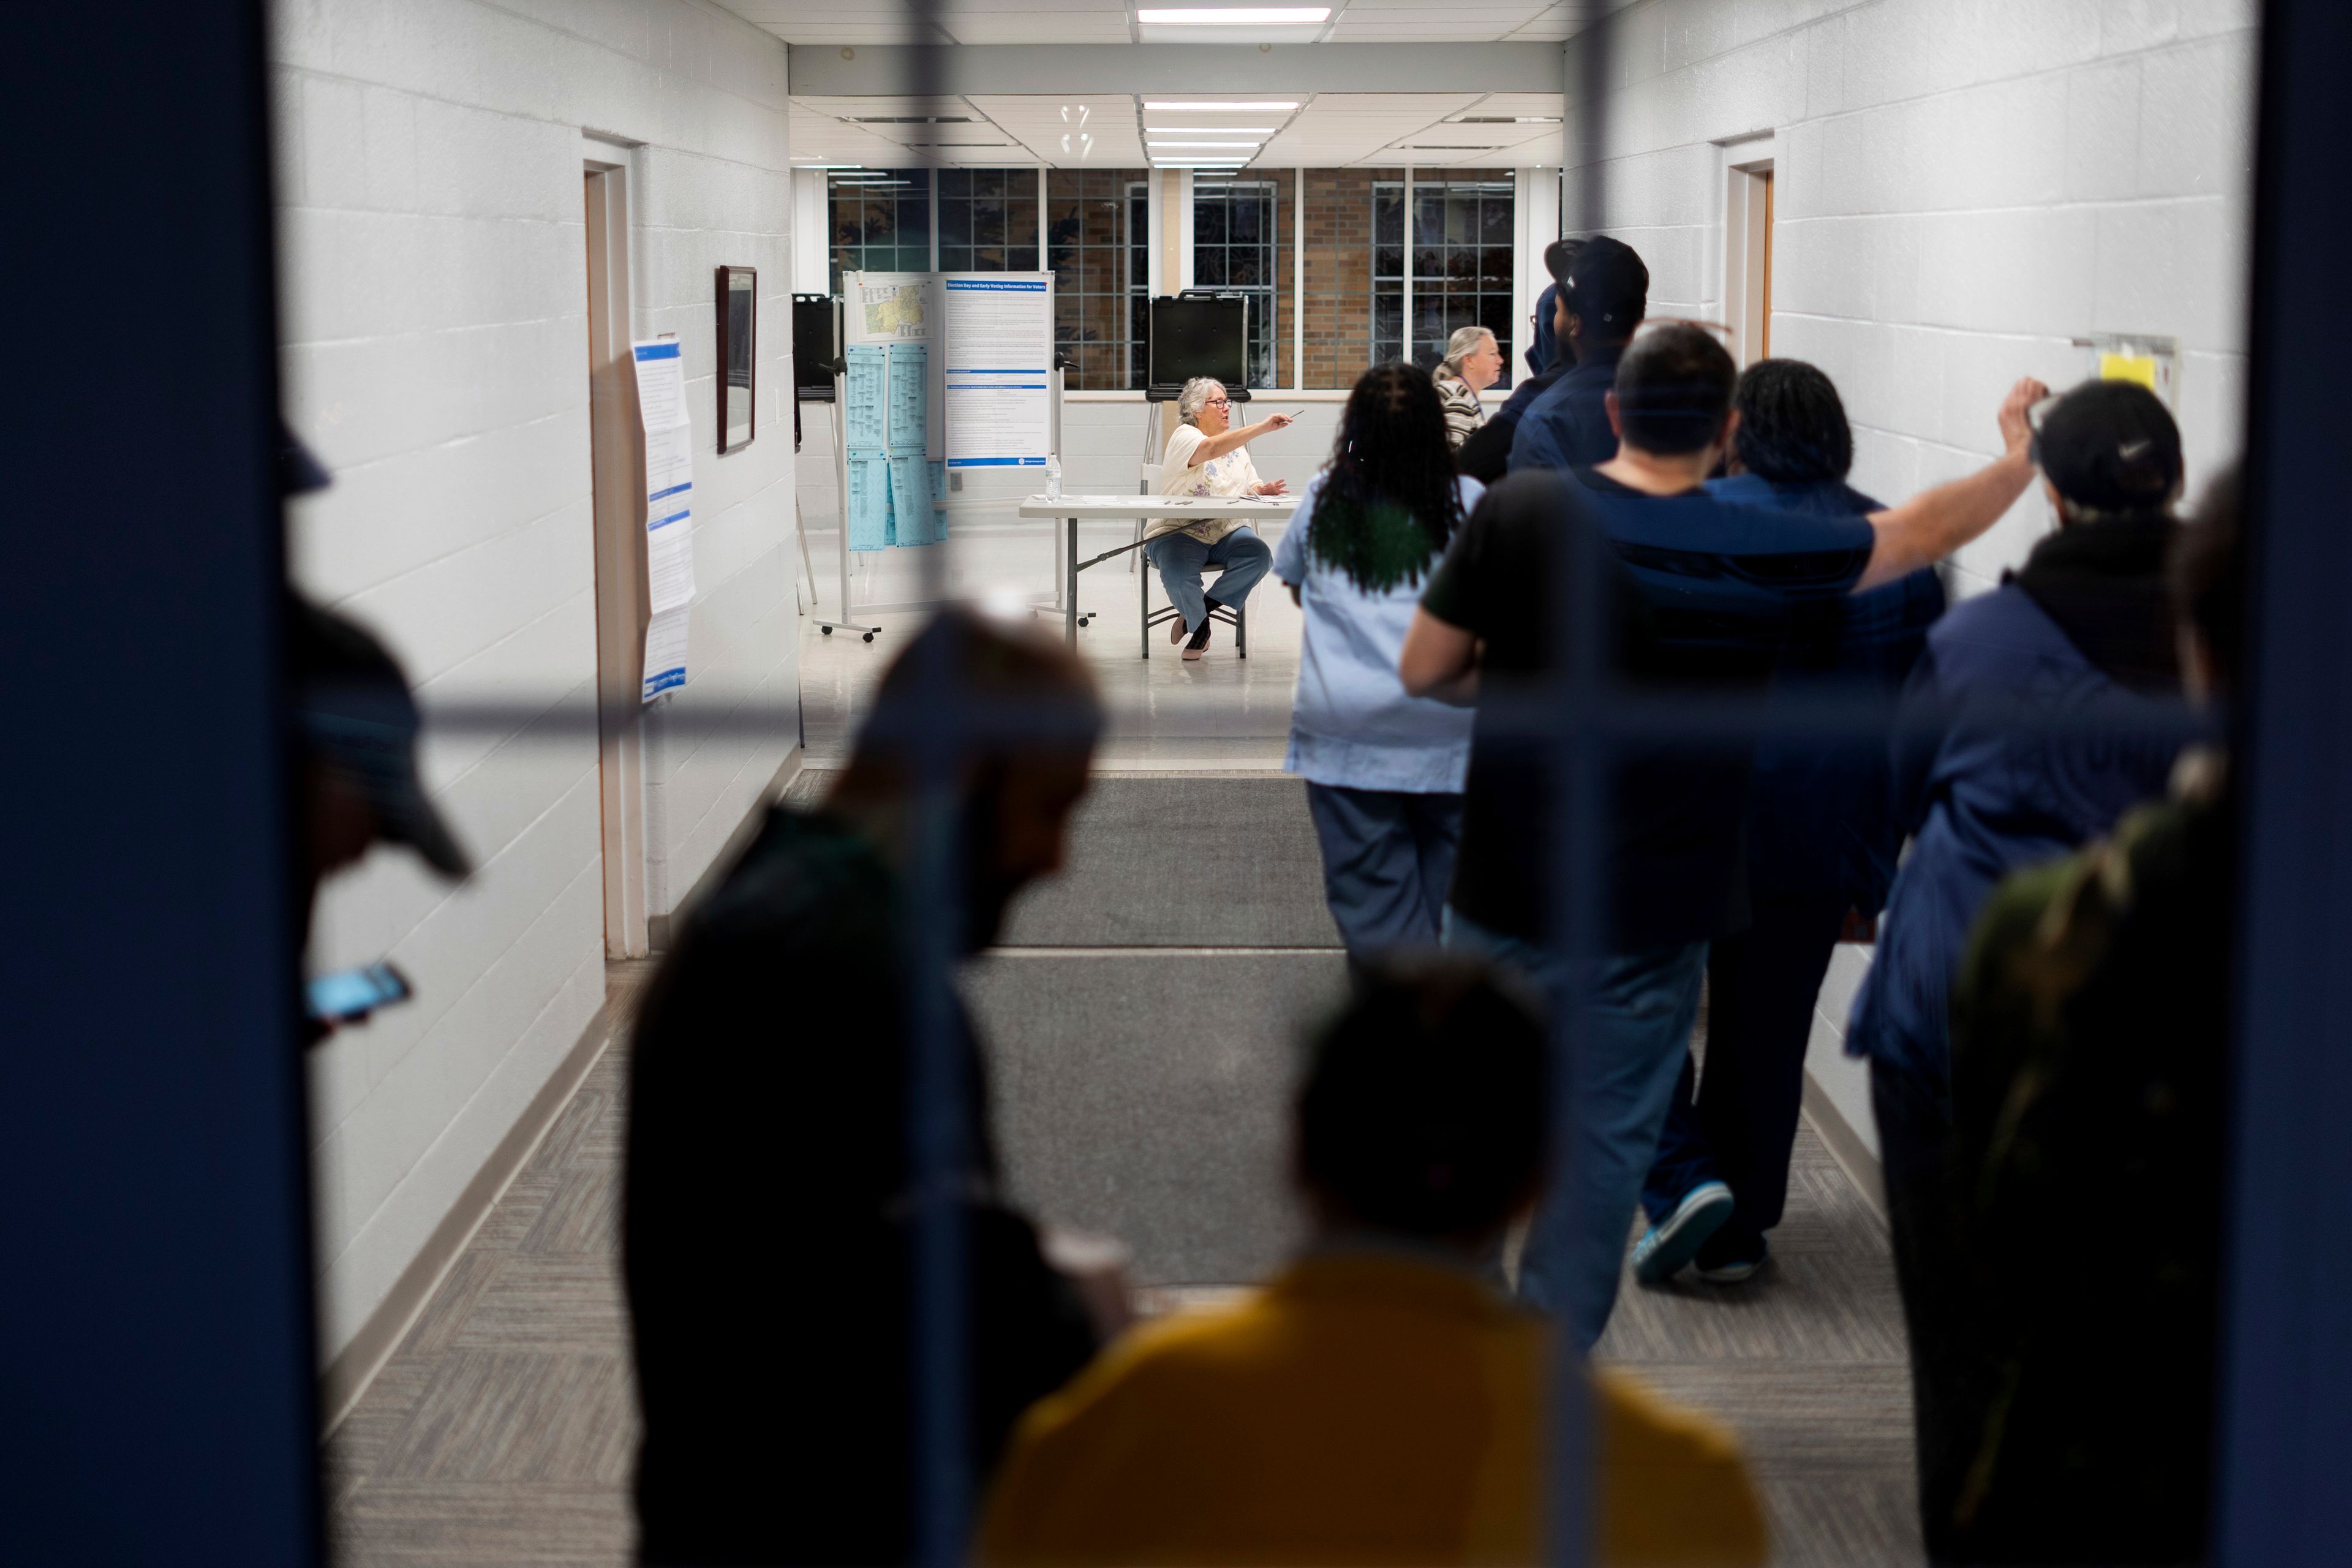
(1204, 457)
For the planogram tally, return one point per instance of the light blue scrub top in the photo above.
(1351, 723)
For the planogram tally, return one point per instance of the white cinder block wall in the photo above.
(1960, 191)
(432, 273)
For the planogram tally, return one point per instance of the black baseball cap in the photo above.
(2110, 447)
(1606, 285)
(354, 713)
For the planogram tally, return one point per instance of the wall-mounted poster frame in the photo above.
(737, 293)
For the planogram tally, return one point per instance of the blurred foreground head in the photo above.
(1010, 717)
(1425, 1110)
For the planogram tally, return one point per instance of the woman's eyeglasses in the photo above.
(1216, 403)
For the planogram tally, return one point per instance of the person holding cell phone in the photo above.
(355, 725)
(1206, 457)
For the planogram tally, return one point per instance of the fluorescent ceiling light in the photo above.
(1233, 16)
(1220, 108)
(1210, 129)
(1213, 146)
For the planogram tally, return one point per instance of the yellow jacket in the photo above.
(1365, 1408)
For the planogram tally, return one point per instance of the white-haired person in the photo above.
(1205, 457)
(1473, 362)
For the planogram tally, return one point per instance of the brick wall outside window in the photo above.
(1338, 235)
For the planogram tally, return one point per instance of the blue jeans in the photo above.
(1244, 556)
(1388, 863)
(1638, 1018)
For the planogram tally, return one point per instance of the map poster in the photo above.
(895, 312)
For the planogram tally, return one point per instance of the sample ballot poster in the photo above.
(670, 511)
(1000, 349)
(895, 311)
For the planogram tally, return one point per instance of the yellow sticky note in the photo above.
(2128, 367)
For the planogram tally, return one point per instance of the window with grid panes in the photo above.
(1139, 286)
(1233, 253)
(1096, 248)
(988, 220)
(881, 221)
(1462, 261)
(1462, 257)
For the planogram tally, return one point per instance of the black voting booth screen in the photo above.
(1200, 334)
(814, 347)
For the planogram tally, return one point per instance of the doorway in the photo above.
(1748, 203)
(621, 592)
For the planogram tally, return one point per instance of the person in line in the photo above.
(1545, 350)
(356, 728)
(1383, 770)
(1378, 1402)
(766, 1220)
(2084, 631)
(2090, 1054)
(1473, 362)
(1717, 584)
(1206, 455)
(1820, 845)
(1486, 455)
(1602, 299)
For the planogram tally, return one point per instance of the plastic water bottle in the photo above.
(1053, 475)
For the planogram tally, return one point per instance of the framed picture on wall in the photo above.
(738, 293)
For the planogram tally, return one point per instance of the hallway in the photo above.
(1142, 1018)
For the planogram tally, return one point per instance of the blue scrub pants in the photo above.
(1638, 1019)
(1179, 557)
(1737, 1124)
(1388, 863)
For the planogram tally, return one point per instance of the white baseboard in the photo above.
(1846, 1146)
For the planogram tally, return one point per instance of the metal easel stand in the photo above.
(841, 478)
(1065, 592)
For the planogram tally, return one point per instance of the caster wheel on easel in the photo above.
(824, 631)
(869, 636)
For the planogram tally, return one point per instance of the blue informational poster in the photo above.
(909, 412)
(866, 420)
(999, 348)
(915, 516)
(869, 501)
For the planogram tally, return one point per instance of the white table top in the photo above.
(1271, 506)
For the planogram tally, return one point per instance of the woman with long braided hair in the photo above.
(1383, 770)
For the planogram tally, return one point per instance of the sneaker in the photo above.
(1734, 1270)
(1673, 1241)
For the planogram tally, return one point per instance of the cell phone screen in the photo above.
(352, 993)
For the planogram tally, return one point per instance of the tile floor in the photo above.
(1224, 713)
